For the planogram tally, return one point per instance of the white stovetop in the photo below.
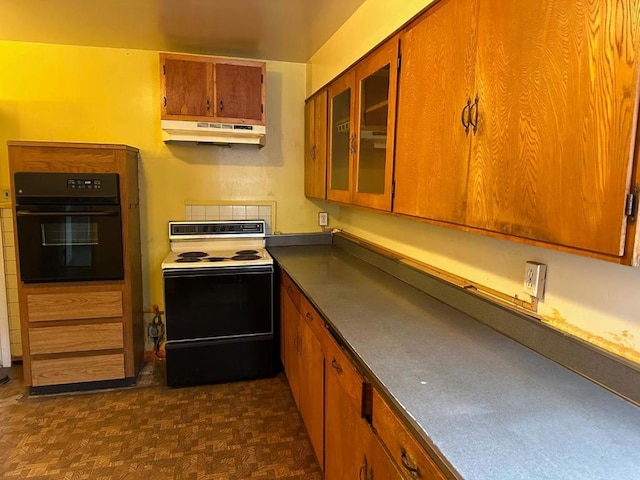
(217, 248)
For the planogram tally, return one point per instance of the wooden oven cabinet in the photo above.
(80, 335)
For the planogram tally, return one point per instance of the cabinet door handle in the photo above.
(313, 153)
(221, 105)
(466, 118)
(474, 122)
(336, 366)
(289, 290)
(309, 316)
(208, 105)
(406, 463)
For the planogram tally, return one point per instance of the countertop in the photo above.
(491, 407)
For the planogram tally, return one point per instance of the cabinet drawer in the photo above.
(291, 288)
(312, 318)
(44, 307)
(75, 338)
(414, 462)
(93, 368)
(340, 366)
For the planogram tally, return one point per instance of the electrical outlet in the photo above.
(534, 279)
(323, 219)
(6, 194)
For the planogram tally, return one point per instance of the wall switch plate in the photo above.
(323, 219)
(535, 275)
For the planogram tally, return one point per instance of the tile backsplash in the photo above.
(224, 210)
(11, 281)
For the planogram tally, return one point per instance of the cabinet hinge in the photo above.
(399, 61)
(631, 205)
(164, 69)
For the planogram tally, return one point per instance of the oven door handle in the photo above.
(104, 213)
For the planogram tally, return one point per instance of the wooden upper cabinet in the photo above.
(557, 82)
(436, 88)
(361, 130)
(212, 89)
(238, 90)
(341, 138)
(315, 146)
(188, 85)
(377, 78)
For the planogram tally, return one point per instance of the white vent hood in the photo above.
(213, 132)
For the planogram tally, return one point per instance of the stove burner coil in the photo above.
(192, 255)
(246, 252)
(245, 257)
(188, 259)
(215, 259)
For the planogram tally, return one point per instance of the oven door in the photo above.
(218, 303)
(69, 243)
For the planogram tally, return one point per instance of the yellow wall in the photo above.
(593, 299)
(105, 95)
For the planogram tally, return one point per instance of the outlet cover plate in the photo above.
(323, 219)
(535, 275)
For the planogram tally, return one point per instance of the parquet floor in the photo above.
(236, 431)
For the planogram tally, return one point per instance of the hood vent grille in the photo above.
(213, 133)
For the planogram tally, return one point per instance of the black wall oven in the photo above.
(68, 227)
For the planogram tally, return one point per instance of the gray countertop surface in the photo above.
(491, 407)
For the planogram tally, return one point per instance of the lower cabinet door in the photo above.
(290, 321)
(343, 433)
(312, 387)
(380, 466)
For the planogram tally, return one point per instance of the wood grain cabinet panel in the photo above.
(436, 85)
(238, 90)
(558, 87)
(212, 89)
(315, 146)
(57, 371)
(351, 381)
(76, 338)
(519, 121)
(303, 362)
(45, 307)
(362, 112)
(414, 462)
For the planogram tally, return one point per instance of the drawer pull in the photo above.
(365, 473)
(289, 290)
(309, 316)
(406, 463)
(335, 365)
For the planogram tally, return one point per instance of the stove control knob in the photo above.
(231, 228)
(222, 228)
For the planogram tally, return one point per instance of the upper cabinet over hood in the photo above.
(212, 100)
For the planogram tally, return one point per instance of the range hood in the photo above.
(213, 132)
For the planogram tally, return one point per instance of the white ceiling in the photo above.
(285, 30)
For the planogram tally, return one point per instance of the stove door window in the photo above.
(218, 305)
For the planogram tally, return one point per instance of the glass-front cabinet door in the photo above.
(376, 103)
(362, 109)
(342, 138)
